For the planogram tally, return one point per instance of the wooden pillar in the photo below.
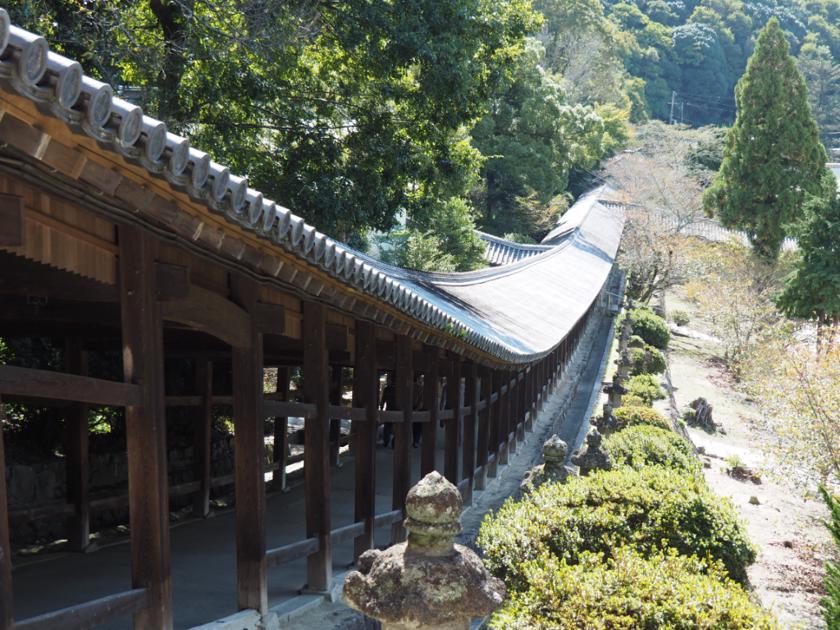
(6, 594)
(77, 462)
(366, 396)
(484, 421)
(203, 435)
(522, 406)
(316, 446)
(510, 429)
(404, 377)
(431, 401)
(336, 383)
(471, 385)
(281, 432)
(496, 417)
(249, 460)
(450, 436)
(148, 489)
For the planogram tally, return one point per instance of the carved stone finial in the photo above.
(429, 581)
(592, 457)
(553, 468)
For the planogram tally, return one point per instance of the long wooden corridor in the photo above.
(120, 241)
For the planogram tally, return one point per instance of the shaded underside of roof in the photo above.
(517, 311)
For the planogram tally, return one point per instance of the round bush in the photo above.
(646, 360)
(650, 327)
(642, 446)
(650, 509)
(646, 387)
(636, 342)
(631, 400)
(629, 592)
(680, 318)
(633, 415)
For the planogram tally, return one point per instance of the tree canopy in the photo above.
(772, 158)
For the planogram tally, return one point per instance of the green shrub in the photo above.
(650, 327)
(646, 387)
(631, 400)
(633, 415)
(629, 592)
(636, 342)
(646, 360)
(642, 446)
(680, 318)
(649, 509)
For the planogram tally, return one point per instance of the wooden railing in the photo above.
(90, 614)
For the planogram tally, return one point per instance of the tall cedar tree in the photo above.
(773, 157)
(813, 289)
(831, 601)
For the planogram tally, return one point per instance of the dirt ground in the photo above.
(785, 525)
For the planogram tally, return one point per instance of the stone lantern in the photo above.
(427, 582)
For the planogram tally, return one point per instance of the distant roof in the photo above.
(517, 312)
(501, 251)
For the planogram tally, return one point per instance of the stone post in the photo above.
(592, 457)
(554, 468)
(427, 582)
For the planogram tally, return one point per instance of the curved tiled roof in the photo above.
(487, 309)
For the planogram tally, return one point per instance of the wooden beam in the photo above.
(211, 313)
(450, 436)
(18, 381)
(471, 389)
(431, 401)
(145, 429)
(281, 432)
(203, 435)
(90, 614)
(484, 392)
(269, 318)
(77, 461)
(6, 593)
(316, 446)
(335, 422)
(366, 396)
(173, 281)
(404, 381)
(11, 221)
(249, 457)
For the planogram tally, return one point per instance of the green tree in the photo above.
(812, 290)
(831, 601)
(773, 157)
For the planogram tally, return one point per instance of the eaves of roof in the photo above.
(451, 303)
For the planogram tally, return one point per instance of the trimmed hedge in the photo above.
(634, 415)
(651, 509)
(629, 592)
(646, 387)
(641, 446)
(646, 360)
(650, 327)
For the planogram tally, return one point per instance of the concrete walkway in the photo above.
(203, 553)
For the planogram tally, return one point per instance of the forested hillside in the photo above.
(683, 57)
(422, 119)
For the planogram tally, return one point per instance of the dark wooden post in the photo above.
(148, 489)
(77, 462)
(316, 446)
(471, 385)
(404, 377)
(281, 432)
(431, 401)
(484, 392)
(450, 436)
(504, 423)
(366, 396)
(249, 460)
(203, 435)
(6, 596)
(495, 418)
(336, 382)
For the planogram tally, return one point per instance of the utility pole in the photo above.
(673, 102)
